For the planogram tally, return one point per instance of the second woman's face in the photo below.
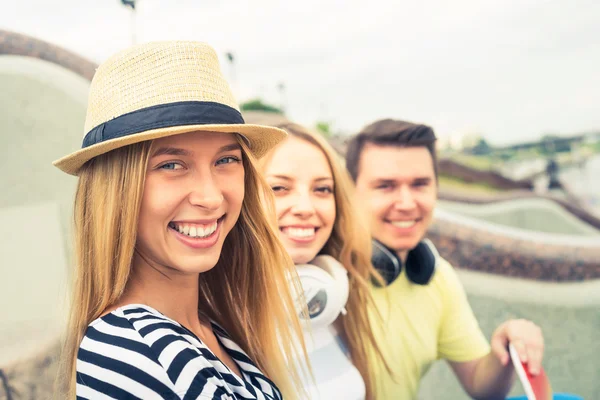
(302, 182)
(192, 199)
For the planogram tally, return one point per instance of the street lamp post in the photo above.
(131, 3)
(281, 88)
(231, 59)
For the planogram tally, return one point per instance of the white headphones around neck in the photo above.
(325, 285)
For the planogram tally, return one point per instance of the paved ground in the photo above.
(568, 314)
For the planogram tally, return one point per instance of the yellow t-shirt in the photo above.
(420, 324)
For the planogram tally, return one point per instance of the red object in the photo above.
(536, 387)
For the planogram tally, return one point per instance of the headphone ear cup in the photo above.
(339, 274)
(386, 262)
(420, 264)
(325, 286)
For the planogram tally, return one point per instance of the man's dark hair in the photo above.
(390, 132)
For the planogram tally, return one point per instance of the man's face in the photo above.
(397, 187)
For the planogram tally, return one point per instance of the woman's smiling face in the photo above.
(192, 198)
(303, 184)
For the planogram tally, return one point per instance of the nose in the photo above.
(206, 192)
(405, 199)
(303, 205)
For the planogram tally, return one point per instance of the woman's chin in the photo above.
(303, 257)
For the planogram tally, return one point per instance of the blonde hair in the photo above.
(350, 244)
(246, 292)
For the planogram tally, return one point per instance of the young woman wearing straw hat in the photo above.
(323, 234)
(180, 280)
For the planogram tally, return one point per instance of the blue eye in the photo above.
(228, 160)
(171, 165)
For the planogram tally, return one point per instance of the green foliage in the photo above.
(593, 147)
(258, 105)
(481, 147)
(324, 128)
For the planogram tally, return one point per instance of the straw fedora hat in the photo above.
(161, 89)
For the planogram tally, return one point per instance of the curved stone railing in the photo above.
(570, 204)
(23, 45)
(31, 378)
(533, 213)
(43, 100)
(478, 245)
(472, 175)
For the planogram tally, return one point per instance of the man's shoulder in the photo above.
(443, 268)
(446, 279)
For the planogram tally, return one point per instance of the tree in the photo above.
(324, 128)
(258, 105)
(481, 147)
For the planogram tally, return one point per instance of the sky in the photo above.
(510, 70)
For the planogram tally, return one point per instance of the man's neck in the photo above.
(402, 254)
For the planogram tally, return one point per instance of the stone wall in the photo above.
(23, 45)
(471, 175)
(31, 379)
(484, 250)
(33, 376)
(570, 203)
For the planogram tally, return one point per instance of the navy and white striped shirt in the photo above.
(135, 352)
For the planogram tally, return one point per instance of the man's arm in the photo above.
(484, 378)
(492, 376)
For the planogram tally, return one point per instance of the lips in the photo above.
(201, 234)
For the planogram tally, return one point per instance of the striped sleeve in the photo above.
(120, 358)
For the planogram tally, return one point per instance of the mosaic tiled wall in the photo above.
(480, 250)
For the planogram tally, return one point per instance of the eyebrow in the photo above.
(325, 178)
(287, 178)
(378, 181)
(176, 151)
(171, 151)
(424, 179)
(421, 179)
(230, 147)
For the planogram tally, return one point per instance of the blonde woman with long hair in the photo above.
(180, 281)
(331, 247)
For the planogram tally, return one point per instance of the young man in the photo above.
(393, 164)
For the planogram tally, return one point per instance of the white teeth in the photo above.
(403, 224)
(196, 231)
(300, 232)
